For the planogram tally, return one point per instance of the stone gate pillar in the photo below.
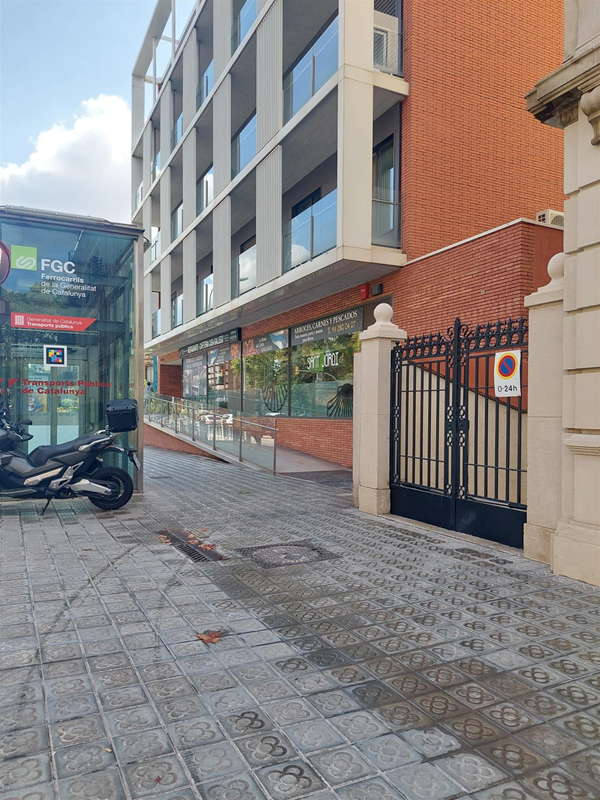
(371, 435)
(544, 417)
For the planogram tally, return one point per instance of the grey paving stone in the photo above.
(371, 789)
(84, 758)
(129, 720)
(23, 715)
(314, 735)
(15, 773)
(358, 725)
(262, 749)
(470, 771)
(423, 782)
(289, 780)
(153, 778)
(71, 707)
(388, 752)
(340, 765)
(212, 761)
(41, 791)
(105, 784)
(191, 733)
(240, 787)
(245, 721)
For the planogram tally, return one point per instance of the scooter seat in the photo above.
(45, 453)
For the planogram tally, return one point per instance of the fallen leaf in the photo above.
(108, 750)
(208, 546)
(210, 637)
(203, 530)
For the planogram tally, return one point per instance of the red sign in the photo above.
(46, 322)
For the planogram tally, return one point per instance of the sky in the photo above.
(65, 85)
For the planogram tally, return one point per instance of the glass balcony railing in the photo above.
(243, 272)
(206, 84)
(243, 147)
(155, 248)
(177, 311)
(386, 218)
(242, 24)
(204, 191)
(155, 324)
(139, 195)
(155, 168)
(312, 232)
(177, 132)
(312, 71)
(387, 38)
(177, 222)
(204, 295)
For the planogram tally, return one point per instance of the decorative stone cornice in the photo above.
(590, 105)
(584, 444)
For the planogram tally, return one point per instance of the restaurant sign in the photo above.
(343, 324)
(214, 341)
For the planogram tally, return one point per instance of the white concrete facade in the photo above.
(201, 103)
(567, 534)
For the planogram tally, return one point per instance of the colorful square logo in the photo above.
(55, 355)
(23, 257)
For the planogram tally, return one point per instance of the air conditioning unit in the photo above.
(551, 217)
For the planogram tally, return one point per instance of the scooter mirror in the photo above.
(26, 422)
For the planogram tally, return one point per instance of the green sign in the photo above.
(23, 257)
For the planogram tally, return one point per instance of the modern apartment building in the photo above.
(294, 155)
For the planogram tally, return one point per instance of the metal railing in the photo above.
(223, 431)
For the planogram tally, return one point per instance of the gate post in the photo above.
(544, 417)
(371, 431)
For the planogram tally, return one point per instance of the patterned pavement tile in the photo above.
(431, 742)
(423, 782)
(267, 748)
(15, 773)
(371, 789)
(289, 780)
(84, 758)
(550, 741)
(238, 787)
(513, 756)
(358, 725)
(155, 776)
(314, 735)
(195, 732)
(556, 784)
(340, 765)
(470, 771)
(23, 742)
(212, 761)
(388, 752)
(138, 746)
(249, 720)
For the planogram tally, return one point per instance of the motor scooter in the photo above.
(72, 469)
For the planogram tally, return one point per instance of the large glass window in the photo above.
(176, 310)
(243, 147)
(206, 84)
(224, 377)
(243, 269)
(312, 229)
(311, 72)
(204, 293)
(386, 205)
(205, 191)
(177, 131)
(194, 378)
(176, 222)
(322, 377)
(243, 23)
(266, 375)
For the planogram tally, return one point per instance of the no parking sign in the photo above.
(507, 374)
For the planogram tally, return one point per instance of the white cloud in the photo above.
(83, 169)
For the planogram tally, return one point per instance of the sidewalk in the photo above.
(358, 662)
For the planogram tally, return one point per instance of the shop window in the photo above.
(194, 378)
(266, 382)
(224, 377)
(322, 377)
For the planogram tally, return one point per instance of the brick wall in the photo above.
(170, 379)
(157, 438)
(472, 157)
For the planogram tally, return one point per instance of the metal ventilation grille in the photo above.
(191, 552)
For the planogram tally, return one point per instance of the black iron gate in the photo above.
(457, 452)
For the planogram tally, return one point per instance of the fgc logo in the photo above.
(26, 258)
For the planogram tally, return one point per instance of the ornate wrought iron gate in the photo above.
(457, 452)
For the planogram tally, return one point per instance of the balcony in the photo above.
(243, 272)
(177, 222)
(242, 24)
(155, 248)
(243, 147)
(312, 71)
(177, 132)
(138, 196)
(155, 168)
(310, 233)
(387, 220)
(177, 311)
(155, 324)
(206, 84)
(204, 191)
(204, 295)
(387, 38)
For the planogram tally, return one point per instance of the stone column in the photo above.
(372, 428)
(544, 415)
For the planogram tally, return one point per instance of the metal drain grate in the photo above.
(191, 552)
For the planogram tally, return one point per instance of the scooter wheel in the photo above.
(120, 496)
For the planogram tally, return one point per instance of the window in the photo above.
(177, 131)
(266, 386)
(176, 222)
(176, 310)
(224, 378)
(243, 269)
(386, 205)
(204, 191)
(206, 84)
(194, 378)
(155, 244)
(311, 72)
(204, 293)
(312, 229)
(322, 377)
(242, 24)
(243, 146)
